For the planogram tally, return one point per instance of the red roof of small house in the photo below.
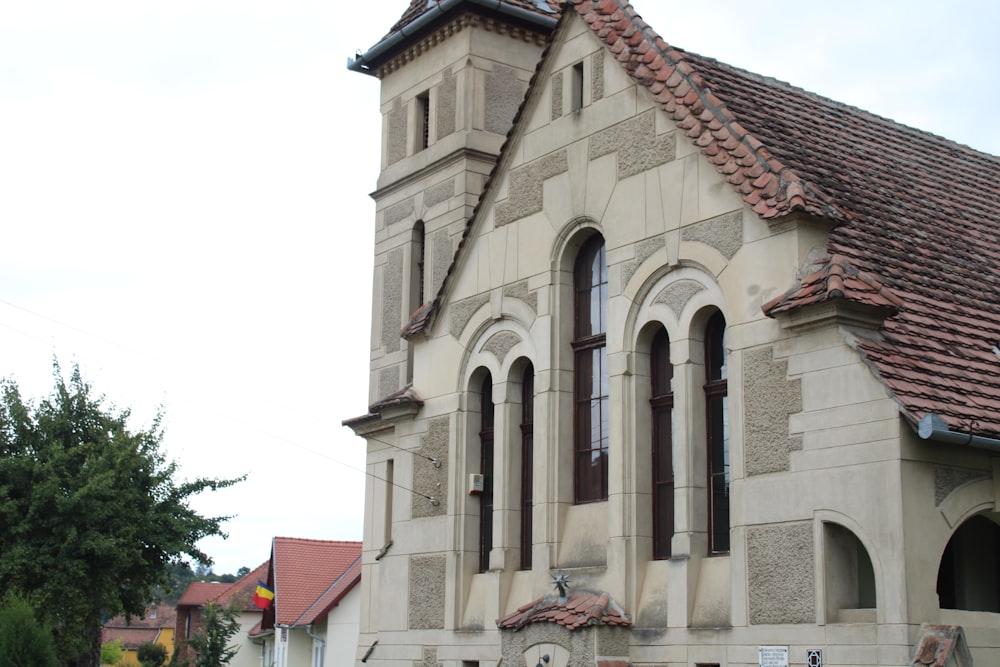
(577, 610)
(914, 218)
(241, 591)
(137, 630)
(311, 577)
(200, 592)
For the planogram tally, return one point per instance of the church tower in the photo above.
(453, 74)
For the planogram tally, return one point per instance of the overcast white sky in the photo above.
(184, 207)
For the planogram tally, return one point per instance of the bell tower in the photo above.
(453, 74)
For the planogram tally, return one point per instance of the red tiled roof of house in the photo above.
(940, 645)
(241, 591)
(915, 213)
(311, 576)
(130, 638)
(577, 610)
(200, 592)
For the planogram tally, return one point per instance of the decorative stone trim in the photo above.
(769, 397)
(947, 480)
(392, 300)
(399, 212)
(781, 574)
(426, 599)
(462, 311)
(525, 195)
(723, 232)
(438, 193)
(500, 343)
(643, 251)
(520, 291)
(452, 28)
(430, 477)
(636, 143)
(677, 295)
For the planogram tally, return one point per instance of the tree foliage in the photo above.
(23, 640)
(212, 640)
(112, 652)
(151, 654)
(90, 511)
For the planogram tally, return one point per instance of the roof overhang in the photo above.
(368, 62)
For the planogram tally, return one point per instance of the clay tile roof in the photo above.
(406, 395)
(200, 592)
(940, 645)
(915, 215)
(836, 278)
(241, 591)
(130, 638)
(311, 576)
(577, 610)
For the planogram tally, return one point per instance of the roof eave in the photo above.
(368, 62)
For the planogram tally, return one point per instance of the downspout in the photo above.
(359, 64)
(316, 638)
(932, 427)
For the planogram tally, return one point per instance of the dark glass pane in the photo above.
(663, 517)
(715, 348)
(662, 455)
(720, 514)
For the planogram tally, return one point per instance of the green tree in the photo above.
(23, 640)
(151, 654)
(90, 512)
(212, 641)
(112, 652)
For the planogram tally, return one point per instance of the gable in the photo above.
(924, 230)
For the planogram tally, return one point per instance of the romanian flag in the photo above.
(263, 596)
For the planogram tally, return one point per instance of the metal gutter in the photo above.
(360, 64)
(932, 427)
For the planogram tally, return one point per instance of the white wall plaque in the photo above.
(773, 656)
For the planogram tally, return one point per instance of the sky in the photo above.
(184, 208)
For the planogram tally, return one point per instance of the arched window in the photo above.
(590, 280)
(486, 470)
(717, 434)
(662, 409)
(527, 459)
(969, 574)
(850, 577)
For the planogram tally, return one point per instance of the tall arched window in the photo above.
(662, 409)
(527, 460)
(717, 434)
(486, 469)
(590, 280)
(417, 269)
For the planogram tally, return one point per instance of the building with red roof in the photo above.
(313, 620)
(715, 355)
(156, 627)
(238, 594)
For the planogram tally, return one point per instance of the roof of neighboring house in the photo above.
(138, 630)
(915, 218)
(577, 610)
(311, 577)
(241, 591)
(200, 592)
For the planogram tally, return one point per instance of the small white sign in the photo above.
(773, 656)
(814, 657)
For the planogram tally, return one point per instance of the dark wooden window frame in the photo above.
(527, 462)
(589, 340)
(486, 470)
(716, 439)
(661, 411)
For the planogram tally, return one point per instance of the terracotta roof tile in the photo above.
(241, 591)
(311, 576)
(836, 278)
(940, 645)
(200, 592)
(577, 610)
(915, 215)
